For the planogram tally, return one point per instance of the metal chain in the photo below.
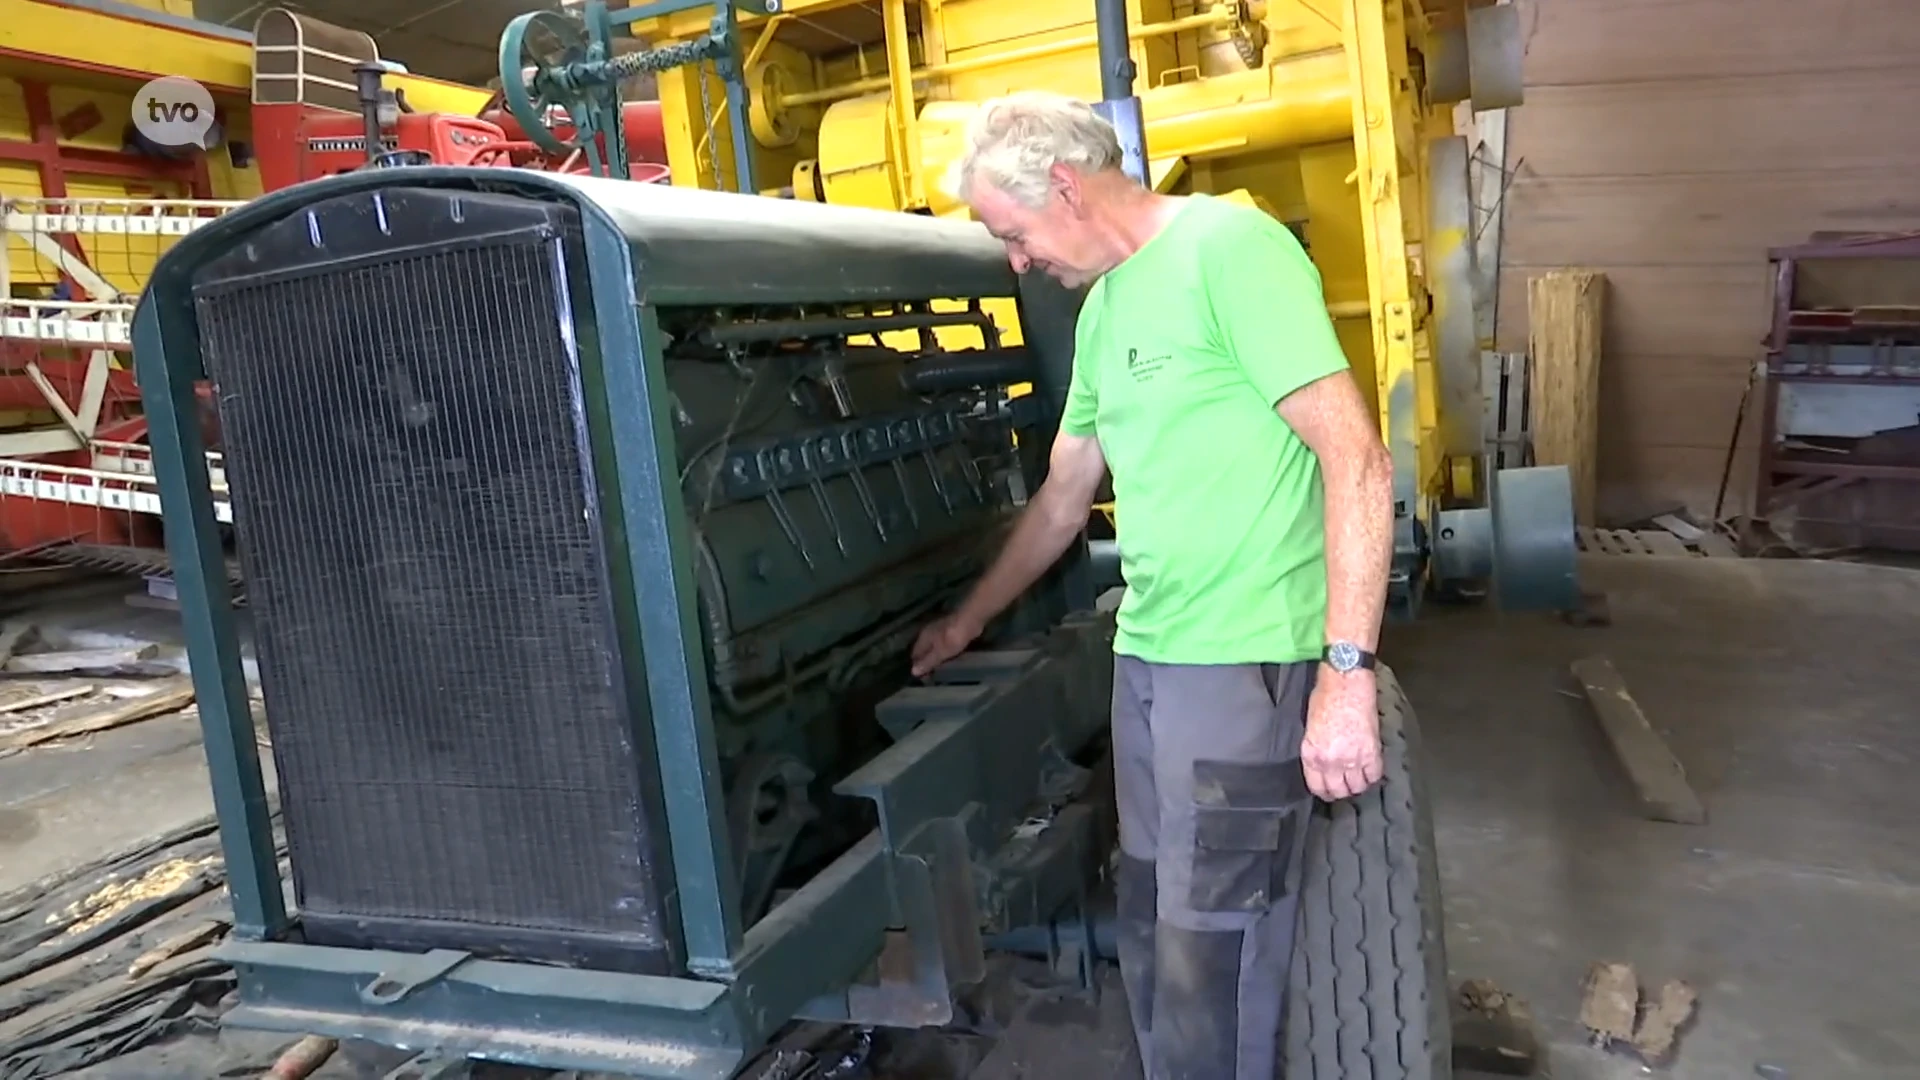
(619, 163)
(706, 115)
(587, 79)
(663, 58)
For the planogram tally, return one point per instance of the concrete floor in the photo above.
(1788, 689)
(1790, 692)
(68, 804)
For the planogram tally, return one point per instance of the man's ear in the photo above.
(1066, 184)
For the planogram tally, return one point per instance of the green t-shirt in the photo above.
(1181, 353)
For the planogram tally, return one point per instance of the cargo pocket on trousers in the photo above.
(1247, 819)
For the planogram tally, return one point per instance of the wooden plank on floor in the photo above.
(170, 696)
(1680, 527)
(1657, 776)
(1662, 542)
(50, 697)
(1715, 546)
(65, 662)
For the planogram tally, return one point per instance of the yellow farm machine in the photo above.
(1350, 120)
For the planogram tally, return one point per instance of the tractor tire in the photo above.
(1368, 998)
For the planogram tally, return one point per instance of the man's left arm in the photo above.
(1270, 310)
(1341, 754)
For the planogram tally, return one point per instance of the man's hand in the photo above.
(1055, 515)
(941, 641)
(1341, 751)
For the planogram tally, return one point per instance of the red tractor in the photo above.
(317, 94)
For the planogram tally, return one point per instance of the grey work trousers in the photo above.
(1214, 810)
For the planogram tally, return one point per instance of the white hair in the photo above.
(1013, 143)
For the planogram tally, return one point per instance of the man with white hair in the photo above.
(1253, 503)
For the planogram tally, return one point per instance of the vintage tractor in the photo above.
(585, 529)
(586, 525)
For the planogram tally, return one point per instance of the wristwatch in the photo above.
(1345, 656)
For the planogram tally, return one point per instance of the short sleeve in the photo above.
(1269, 310)
(1083, 402)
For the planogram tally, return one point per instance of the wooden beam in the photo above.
(1564, 321)
(1657, 776)
(170, 697)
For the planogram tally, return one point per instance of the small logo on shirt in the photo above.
(1143, 369)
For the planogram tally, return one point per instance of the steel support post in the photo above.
(1118, 103)
(725, 30)
(660, 550)
(166, 362)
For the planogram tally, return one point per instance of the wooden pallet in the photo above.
(1648, 542)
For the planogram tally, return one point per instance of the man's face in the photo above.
(1057, 238)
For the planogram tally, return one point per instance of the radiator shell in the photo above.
(462, 746)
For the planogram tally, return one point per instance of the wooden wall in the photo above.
(1669, 143)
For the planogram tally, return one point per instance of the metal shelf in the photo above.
(110, 217)
(119, 491)
(84, 323)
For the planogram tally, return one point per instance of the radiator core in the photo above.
(401, 398)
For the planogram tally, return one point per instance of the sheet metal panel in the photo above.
(691, 244)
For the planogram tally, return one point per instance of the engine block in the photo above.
(838, 497)
(826, 497)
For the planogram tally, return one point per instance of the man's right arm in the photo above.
(1054, 516)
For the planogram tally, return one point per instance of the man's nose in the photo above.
(1020, 262)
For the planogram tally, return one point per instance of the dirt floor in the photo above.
(1786, 689)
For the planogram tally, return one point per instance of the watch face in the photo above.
(1343, 655)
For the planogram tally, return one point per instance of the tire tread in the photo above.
(1368, 993)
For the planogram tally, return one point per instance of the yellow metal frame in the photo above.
(1315, 110)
